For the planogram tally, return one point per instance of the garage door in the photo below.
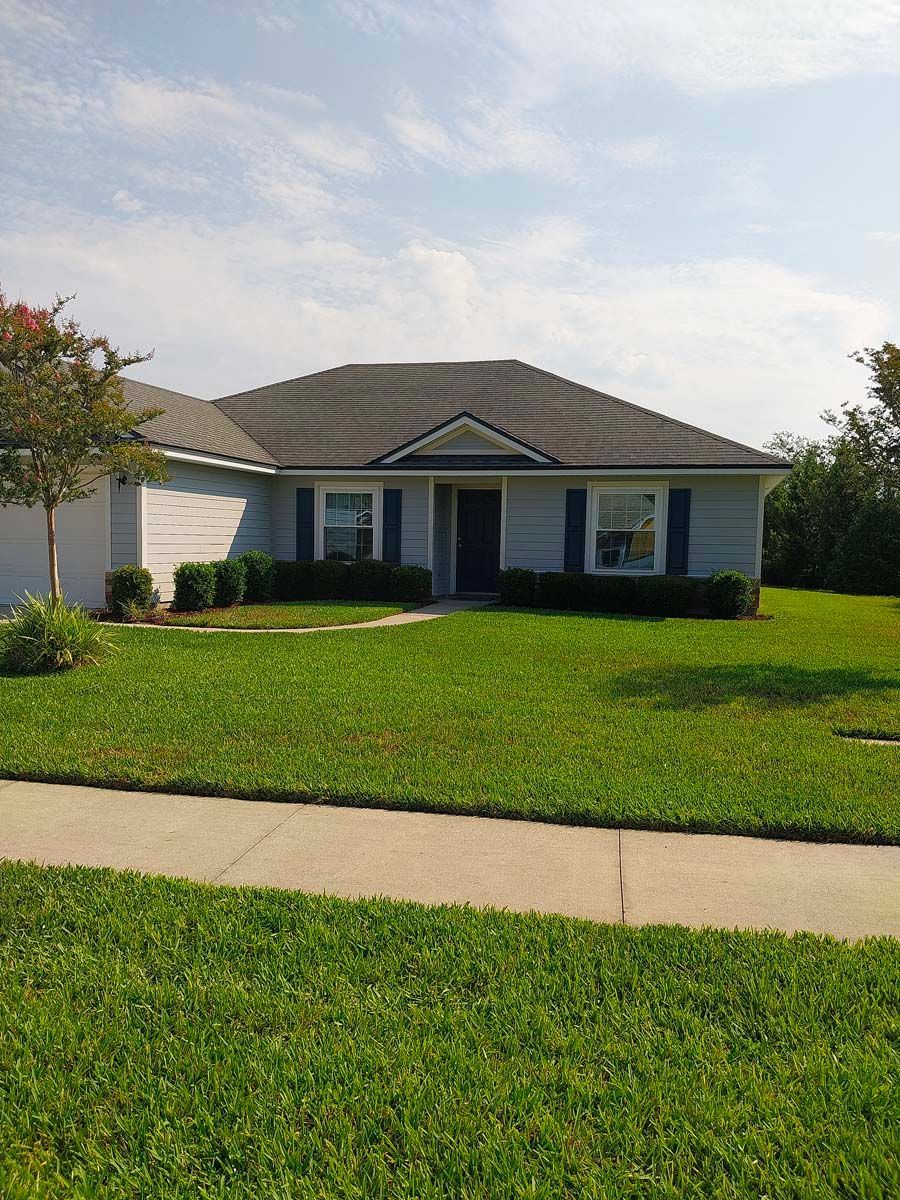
(81, 536)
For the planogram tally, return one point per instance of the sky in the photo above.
(690, 204)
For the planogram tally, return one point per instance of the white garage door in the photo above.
(81, 532)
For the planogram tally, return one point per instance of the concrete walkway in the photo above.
(600, 874)
(441, 608)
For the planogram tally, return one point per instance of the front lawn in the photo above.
(674, 724)
(167, 1039)
(294, 614)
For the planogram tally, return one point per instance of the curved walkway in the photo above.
(443, 608)
(609, 875)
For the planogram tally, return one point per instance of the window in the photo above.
(349, 521)
(625, 533)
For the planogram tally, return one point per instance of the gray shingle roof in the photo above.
(191, 424)
(348, 416)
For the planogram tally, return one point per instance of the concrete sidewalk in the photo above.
(602, 874)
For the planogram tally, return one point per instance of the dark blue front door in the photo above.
(477, 540)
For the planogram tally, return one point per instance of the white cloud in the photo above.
(883, 235)
(641, 152)
(698, 46)
(484, 137)
(124, 202)
(742, 346)
(275, 22)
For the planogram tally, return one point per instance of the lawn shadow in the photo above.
(571, 612)
(772, 685)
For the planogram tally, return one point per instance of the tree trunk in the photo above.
(55, 589)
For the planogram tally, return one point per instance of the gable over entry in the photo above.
(466, 434)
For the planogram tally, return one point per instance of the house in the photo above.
(463, 467)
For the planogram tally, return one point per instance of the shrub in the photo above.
(195, 586)
(665, 595)
(50, 635)
(614, 593)
(412, 584)
(331, 580)
(293, 580)
(230, 580)
(259, 574)
(369, 579)
(517, 586)
(131, 590)
(729, 594)
(565, 590)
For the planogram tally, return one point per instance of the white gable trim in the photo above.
(464, 422)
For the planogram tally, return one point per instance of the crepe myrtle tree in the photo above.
(64, 421)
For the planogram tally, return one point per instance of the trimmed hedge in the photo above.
(259, 574)
(131, 589)
(727, 593)
(195, 586)
(370, 579)
(516, 586)
(230, 580)
(730, 594)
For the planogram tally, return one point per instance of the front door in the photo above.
(477, 540)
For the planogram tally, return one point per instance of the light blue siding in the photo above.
(723, 530)
(443, 508)
(123, 524)
(467, 442)
(413, 517)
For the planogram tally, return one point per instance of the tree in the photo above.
(64, 421)
(875, 431)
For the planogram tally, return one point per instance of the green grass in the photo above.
(297, 614)
(166, 1039)
(674, 724)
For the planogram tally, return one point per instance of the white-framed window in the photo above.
(626, 529)
(348, 521)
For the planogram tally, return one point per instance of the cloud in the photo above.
(124, 202)
(883, 235)
(697, 46)
(483, 137)
(275, 22)
(743, 346)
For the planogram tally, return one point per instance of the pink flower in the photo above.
(7, 336)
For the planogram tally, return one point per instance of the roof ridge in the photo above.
(585, 387)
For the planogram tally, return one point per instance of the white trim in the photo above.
(503, 522)
(661, 521)
(529, 473)
(446, 432)
(376, 490)
(108, 522)
(211, 461)
(760, 517)
(429, 553)
(141, 515)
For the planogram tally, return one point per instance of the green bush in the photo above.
(50, 635)
(331, 580)
(293, 580)
(259, 574)
(369, 579)
(517, 587)
(230, 581)
(565, 590)
(666, 595)
(614, 594)
(195, 587)
(729, 594)
(131, 590)
(411, 584)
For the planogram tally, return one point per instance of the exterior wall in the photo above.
(413, 518)
(123, 524)
(723, 531)
(203, 514)
(443, 520)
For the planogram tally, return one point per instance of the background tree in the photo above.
(835, 521)
(64, 419)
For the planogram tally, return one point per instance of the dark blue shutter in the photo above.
(576, 518)
(678, 531)
(390, 525)
(306, 543)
